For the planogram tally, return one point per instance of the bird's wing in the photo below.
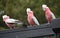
(14, 20)
(35, 20)
(11, 21)
(53, 16)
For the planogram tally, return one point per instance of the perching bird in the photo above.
(49, 15)
(9, 22)
(31, 18)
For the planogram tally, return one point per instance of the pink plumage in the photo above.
(8, 21)
(49, 15)
(31, 18)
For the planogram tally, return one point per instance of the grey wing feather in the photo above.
(35, 20)
(53, 16)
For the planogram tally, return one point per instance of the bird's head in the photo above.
(28, 10)
(44, 7)
(5, 17)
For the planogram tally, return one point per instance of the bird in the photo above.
(9, 21)
(32, 20)
(48, 13)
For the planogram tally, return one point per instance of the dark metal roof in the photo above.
(27, 32)
(42, 30)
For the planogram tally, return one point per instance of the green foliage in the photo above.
(17, 9)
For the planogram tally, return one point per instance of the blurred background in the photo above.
(17, 9)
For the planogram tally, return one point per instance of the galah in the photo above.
(48, 14)
(31, 18)
(9, 22)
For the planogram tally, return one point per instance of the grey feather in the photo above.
(35, 20)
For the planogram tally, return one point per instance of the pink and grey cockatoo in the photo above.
(9, 22)
(49, 15)
(31, 18)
